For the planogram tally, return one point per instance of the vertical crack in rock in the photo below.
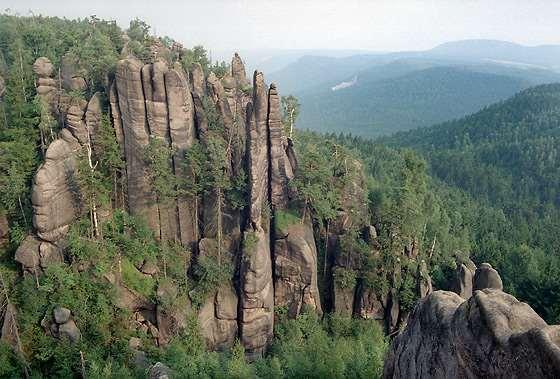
(141, 200)
(182, 132)
(156, 111)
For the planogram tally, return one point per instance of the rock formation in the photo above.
(463, 281)
(490, 335)
(271, 247)
(257, 292)
(61, 325)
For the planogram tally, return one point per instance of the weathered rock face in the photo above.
(281, 171)
(486, 277)
(4, 230)
(238, 71)
(46, 85)
(54, 197)
(182, 133)
(491, 334)
(424, 282)
(132, 108)
(295, 268)
(218, 319)
(8, 333)
(72, 77)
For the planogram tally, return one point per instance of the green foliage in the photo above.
(220, 69)
(209, 274)
(134, 279)
(284, 218)
(344, 278)
(158, 156)
(10, 366)
(198, 55)
(355, 349)
(319, 179)
(250, 241)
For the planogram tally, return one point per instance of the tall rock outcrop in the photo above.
(182, 133)
(257, 292)
(132, 113)
(490, 335)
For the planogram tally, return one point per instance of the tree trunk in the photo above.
(16, 331)
(22, 211)
(93, 207)
(326, 250)
(219, 222)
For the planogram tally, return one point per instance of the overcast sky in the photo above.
(386, 25)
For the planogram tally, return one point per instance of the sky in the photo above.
(379, 25)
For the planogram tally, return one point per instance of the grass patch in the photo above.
(134, 279)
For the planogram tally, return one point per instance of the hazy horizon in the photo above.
(379, 26)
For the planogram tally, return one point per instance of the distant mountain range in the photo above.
(377, 94)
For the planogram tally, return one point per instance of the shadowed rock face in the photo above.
(183, 134)
(463, 281)
(281, 171)
(490, 335)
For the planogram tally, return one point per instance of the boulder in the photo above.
(43, 67)
(491, 334)
(61, 315)
(70, 331)
(486, 277)
(159, 371)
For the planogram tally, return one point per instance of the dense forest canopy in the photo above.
(502, 162)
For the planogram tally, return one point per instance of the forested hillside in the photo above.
(390, 92)
(415, 98)
(502, 165)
